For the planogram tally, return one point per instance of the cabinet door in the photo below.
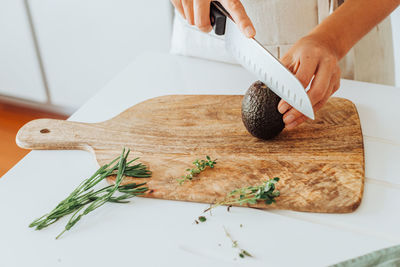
(20, 74)
(395, 16)
(84, 43)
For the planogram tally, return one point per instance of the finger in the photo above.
(291, 65)
(178, 6)
(305, 69)
(283, 106)
(321, 81)
(236, 10)
(336, 87)
(287, 60)
(333, 87)
(304, 73)
(188, 9)
(296, 123)
(291, 115)
(323, 101)
(202, 15)
(337, 84)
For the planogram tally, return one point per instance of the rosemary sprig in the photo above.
(250, 195)
(242, 252)
(85, 198)
(201, 165)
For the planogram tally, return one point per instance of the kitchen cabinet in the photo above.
(20, 74)
(395, 20)
(85, 43)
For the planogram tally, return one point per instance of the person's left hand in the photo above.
(311, 58)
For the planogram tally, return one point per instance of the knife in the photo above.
(258, 60)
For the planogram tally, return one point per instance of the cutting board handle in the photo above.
(56, 134)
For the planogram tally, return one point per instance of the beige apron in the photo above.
(280, 23)
(372, 58)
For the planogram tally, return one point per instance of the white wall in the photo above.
(395, 16)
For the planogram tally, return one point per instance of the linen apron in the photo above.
(372, 58)
(280, 23)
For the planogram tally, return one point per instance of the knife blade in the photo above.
(259, 61)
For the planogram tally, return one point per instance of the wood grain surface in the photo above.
(321, 163)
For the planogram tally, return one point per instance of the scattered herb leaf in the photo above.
(242, 252)
(202, 219)
(246, 253)
(85, 199)
(201, 165)
(250, 195)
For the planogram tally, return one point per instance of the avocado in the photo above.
(260, 113)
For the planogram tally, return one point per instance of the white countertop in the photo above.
(151, 232)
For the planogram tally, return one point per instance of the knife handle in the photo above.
(217, 18)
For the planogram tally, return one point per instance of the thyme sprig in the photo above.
(201, 165)
(242, 253)
(84, 199)
(250, 195)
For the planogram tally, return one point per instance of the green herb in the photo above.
(201, 165)
(84, 199)
(242, 252)
(202, 219)
(250, 195)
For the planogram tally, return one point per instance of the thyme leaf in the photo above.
(84, 199)
(202, 219)
(201, 165)
(242, 253)
(250, 195)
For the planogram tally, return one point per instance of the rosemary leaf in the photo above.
(84, 199)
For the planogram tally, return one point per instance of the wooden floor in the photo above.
(11, 119)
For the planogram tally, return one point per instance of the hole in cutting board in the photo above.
(44, 131)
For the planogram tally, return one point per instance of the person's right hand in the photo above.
(197, 12)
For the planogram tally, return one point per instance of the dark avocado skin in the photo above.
(260, 113)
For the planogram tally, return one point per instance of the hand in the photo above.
(197, 12)
(309, 58)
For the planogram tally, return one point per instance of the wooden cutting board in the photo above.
(321, 163)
